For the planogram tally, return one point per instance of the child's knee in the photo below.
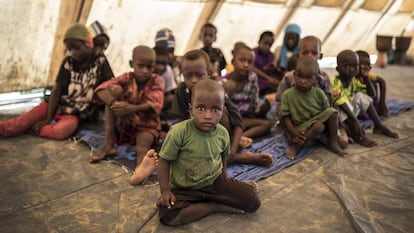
(254, 204)
(116, 90)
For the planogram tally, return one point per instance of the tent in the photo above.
(32, 31)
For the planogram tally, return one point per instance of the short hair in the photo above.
(161, 50)
(195, 54)
(209, 25)
(239, 47)
(143, 49)
(362, 53)
(266, 33)
(208, 85)
(343, 55)
(307, 61)
(311, 38)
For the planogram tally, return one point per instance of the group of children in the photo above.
(217, 115)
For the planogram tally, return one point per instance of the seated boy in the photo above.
(72, 99)
(379, 88)
(305, 111)
(348, 96)
(133, 104)
(195, 66)
(192, 181)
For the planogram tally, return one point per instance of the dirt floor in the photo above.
(49, 186)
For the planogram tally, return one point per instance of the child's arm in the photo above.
(167, 198)
(370, 87)
(351, 116)
(52, 107)
(383, 110)
(297, 136)
(274, 82)
(235, 140)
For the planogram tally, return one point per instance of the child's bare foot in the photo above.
(366, 142)
(385, 131)
(291, 151)
(245, 142)
(261, 159)
(335, 148)
(105, 150)
(252, 184)
(147, 166)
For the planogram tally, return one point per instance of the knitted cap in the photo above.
(165, 38)
(80, 32)
(97, 29)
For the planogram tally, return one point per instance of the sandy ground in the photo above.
(49, 186)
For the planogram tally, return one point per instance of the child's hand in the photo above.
(298, 137)
(39, 125)
(121, 108)
(167, 199)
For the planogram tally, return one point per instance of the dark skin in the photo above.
(305, 76)
(264, 46)
(143, 61)
(348, 65)
(81, 54)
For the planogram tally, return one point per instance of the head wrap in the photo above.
(97, 29)
(80, 32)
(165, 38)
(291, 28)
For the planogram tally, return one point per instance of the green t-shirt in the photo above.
(340, 94)
(195, 156)
(305, 109)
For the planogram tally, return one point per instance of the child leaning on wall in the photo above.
(72, 99)
(133, 103)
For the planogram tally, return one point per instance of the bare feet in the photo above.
(385, 131)
(335, 148)
(105, 150)
(147, 166)
(261, 159)
(364, 141)
(245, 142)
(291, 151)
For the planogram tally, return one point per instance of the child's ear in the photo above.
(320, 56)
(130, 63)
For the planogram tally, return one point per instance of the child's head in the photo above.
(165, 38)
(292, 36)
(306, 72)
(208, 34)
(207, 103)
(364, 63)
(347, 64)
(99, 35)
(195, 66)
(143, 61)
(161, 59)
(310, 46)
(78, 42)
(243, 59)
(266, 40)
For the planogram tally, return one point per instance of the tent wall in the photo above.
(32, 31)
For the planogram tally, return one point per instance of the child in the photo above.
(133, 103)
(378, 92)
(245, 93)
(289, 46)
(165, 38)
(208, 35)
(347, 95)
(195, 67)
(192, 181)
(263, 64)
(72, 98)
(163, 69)
(99, 36)
(305, 111)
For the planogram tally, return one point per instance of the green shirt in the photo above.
(340, 94)
(195, 156)
(305, 109)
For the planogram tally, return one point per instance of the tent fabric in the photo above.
(31, 32)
